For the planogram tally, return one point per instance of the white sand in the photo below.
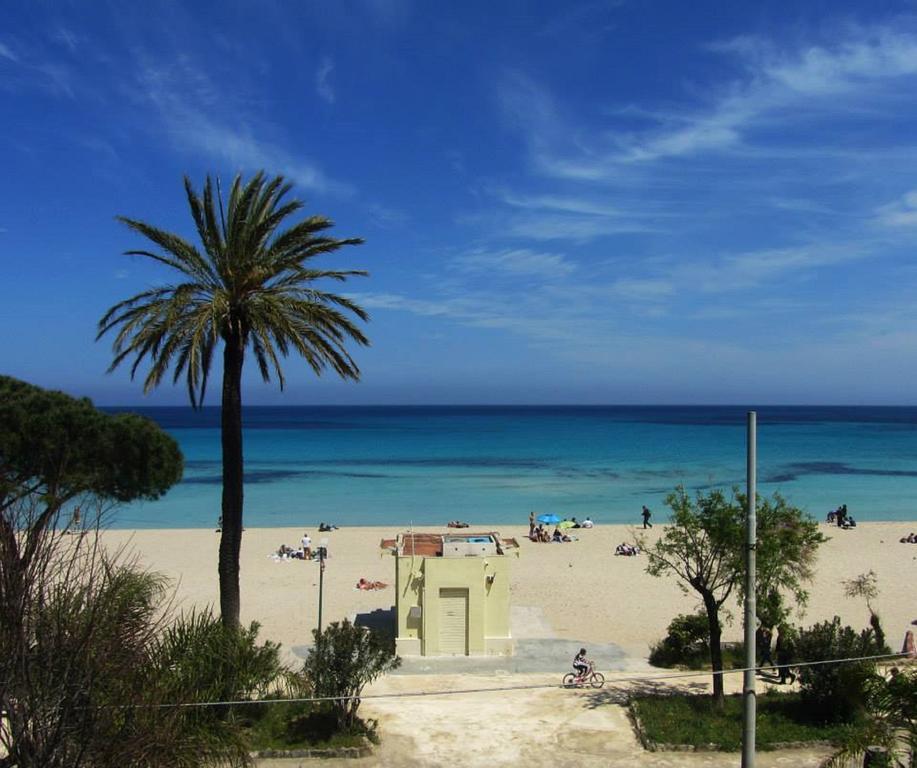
(583, 590)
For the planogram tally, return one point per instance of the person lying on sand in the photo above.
(627, 550)
(370, 585)
(456, 524)
(911, 538)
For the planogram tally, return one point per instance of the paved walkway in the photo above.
(536, 727)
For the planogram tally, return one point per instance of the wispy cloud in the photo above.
(901, 213)
(520, 261)
(66, 38)
(7, 53)
(187, 103)
(323, 80)
(870, 64)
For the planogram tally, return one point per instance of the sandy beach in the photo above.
(576, 591)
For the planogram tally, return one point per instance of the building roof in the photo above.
(431, 544)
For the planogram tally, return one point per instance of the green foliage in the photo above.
(59, 447)
(344, 659)
(891, 720)
(695, 721)
(302, 725)
(249, 283)
(687, 641)
(866, 585)
(218, 664)
(835, 691)
(82, 679)
(704, 548)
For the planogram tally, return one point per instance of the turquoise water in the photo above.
(427, 465)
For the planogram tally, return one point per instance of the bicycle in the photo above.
(590, 677)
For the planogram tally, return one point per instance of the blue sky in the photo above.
(603, 202)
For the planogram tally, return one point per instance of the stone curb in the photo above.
(327, 754)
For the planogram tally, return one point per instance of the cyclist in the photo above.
(581, 663)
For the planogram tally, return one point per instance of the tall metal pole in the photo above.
(751, 534)
(321, 584)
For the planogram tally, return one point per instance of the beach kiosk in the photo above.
(452, 593)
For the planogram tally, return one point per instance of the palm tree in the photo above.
(251, 286)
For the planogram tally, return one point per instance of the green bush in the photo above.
(343, 659)
(834, 692)
(686, 643)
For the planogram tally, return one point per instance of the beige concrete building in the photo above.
(452, 593)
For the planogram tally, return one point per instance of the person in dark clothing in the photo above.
(763, 643)
(646, 517)
(785, 648)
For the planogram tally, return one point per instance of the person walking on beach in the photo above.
(531, 524)
(646, 517)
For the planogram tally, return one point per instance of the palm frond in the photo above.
(247, 279)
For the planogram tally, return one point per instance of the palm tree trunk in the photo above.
(231, 535)
(716, 648)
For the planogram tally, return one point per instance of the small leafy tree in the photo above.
(866, 585)
(342, 661)
(704, 548)
(834, 692)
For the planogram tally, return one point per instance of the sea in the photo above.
(401, 466)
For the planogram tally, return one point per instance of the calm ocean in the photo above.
(427, 465)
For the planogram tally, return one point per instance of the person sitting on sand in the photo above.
(575, 524)
(543, 536)
(829, 518)
(587, 523)
(560, 536)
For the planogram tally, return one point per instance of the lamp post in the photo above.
(322, 551)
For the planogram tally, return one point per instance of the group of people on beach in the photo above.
(540, 534)
(841, 518)
(305, 550)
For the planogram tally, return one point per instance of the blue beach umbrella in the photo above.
(548, 519)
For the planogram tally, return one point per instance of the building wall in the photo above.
(418, 582)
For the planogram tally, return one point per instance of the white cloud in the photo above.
(6, 53)
(902, 213)
(187, 102)
(66, 38)
(780, 86)
(322, 80)
(519, 261)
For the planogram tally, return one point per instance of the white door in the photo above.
(453, 622)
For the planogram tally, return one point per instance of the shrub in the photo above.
(686, 643)
(835, 691)
(343, 659)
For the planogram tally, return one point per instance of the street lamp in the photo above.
(322, 553)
